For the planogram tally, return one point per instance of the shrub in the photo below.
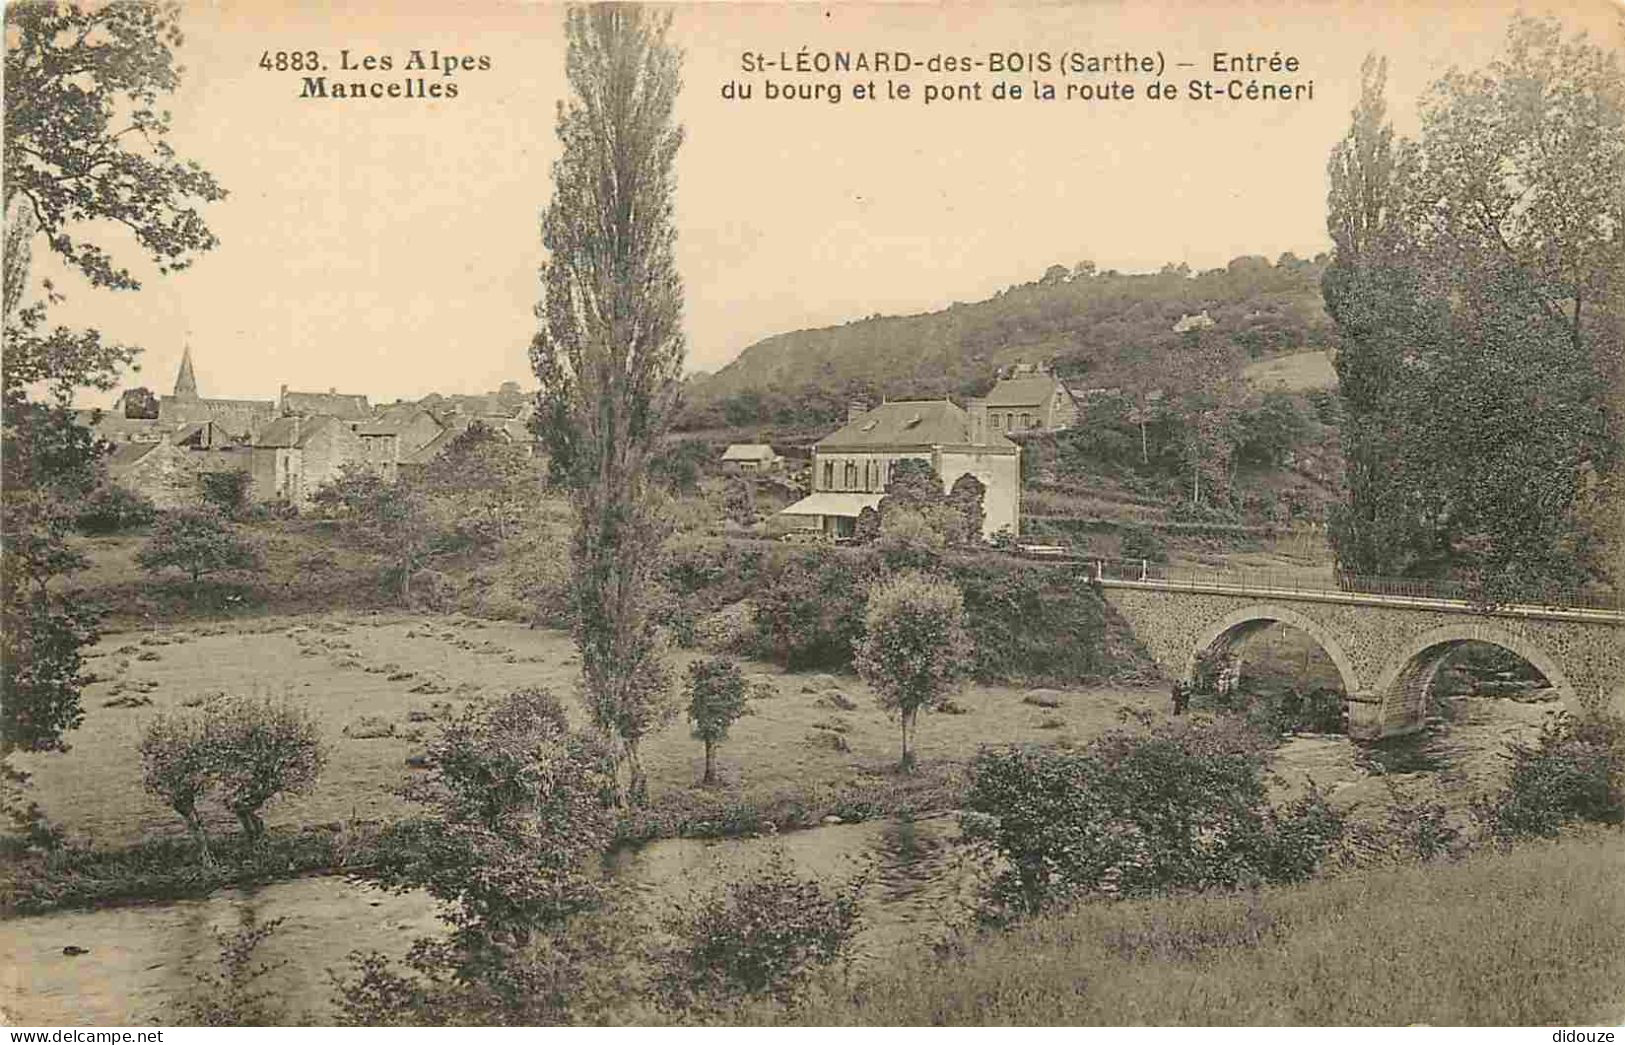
(1574, 771)
(761, 936)
(1031, 622)
(519, 808)
(1136, 815)
(520, 811)
(810, 610)
(231, 996)
(112, 508)
(1141, 542)
(226, 492)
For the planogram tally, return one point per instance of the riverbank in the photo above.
(1529, 937)
(168, 869)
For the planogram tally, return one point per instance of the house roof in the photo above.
(336, 404)
(748, 452)
(1023, 390)
(293, 431)
(931, 422)
(394, 422)
(124, 455)
(431, 449)
(847, 505)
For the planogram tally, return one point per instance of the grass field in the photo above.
(394, 674)
(1299, 372)
(1530, 937)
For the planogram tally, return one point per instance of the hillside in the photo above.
(1098, 330)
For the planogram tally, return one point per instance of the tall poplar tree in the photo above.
(1474, 288)
(609, 351)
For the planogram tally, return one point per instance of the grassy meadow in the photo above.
(1528, 937)
(377, 683)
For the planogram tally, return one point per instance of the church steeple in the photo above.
(186, 381)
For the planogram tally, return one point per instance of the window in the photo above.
(850, 480)
(829, 475)
(1026, 420)
(998, 422)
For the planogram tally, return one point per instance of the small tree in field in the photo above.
(716, 697)
(915, 647)
(198, 541)
(176, 766)
(261, 749)
(249, 750)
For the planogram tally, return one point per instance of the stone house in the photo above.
(852, 466)
(294, 456)
(394, 436)
(162, 472)
(1029, 399)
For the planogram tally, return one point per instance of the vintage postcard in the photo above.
(807, 514)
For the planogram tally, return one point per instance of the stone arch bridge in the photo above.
(1387, 648)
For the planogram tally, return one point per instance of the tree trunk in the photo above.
(710, 763)
(253, 826)
(194, 827)
(1145, 456)
(907, 762)
(637, 787)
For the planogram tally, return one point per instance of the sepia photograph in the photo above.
(993, 514)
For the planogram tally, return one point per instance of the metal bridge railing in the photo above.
(1398, 587)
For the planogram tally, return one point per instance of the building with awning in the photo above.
(827, 512)
(852, 466)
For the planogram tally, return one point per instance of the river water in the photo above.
(140, 958)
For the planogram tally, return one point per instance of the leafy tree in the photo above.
(915, 647)
(177, 765)
(487, 474)
(84, 144)
(716, 697)
(248, 750)
(394, 519)
(85, 133)
(197, 541)
(1479, 267)
(610, 349)
(139, 404)
(260, 749)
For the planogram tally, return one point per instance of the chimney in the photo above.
(977, 409)
(332, 390)
(856, 409)
(282, 397)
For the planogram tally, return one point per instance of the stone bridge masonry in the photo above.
(1386, 648)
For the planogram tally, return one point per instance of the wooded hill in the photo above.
(1097, 329)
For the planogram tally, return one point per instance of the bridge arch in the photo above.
(1405, 686)
(1238, 624)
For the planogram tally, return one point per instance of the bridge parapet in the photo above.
(1387, 648)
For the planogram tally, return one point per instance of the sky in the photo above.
(391, 246)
